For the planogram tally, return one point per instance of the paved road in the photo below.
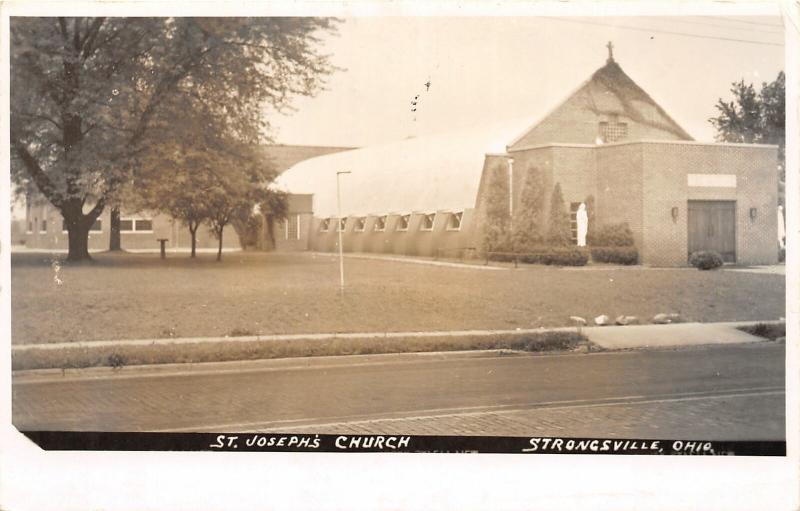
(718, 392)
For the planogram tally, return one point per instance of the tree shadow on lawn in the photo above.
(173, 260)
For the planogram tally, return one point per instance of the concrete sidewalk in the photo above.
(608, 337)
(675, 334)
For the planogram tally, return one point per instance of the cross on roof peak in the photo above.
(610, 47)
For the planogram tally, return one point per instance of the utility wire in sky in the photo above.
(724, 26)
(669, 32)
(748, 22)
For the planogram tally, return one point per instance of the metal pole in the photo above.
(340, 229)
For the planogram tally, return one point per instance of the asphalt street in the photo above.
(726, 392)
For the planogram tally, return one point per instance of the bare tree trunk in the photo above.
(271, 231)
(78, 235)
(193, 231)
(219, 252)
(115, 241)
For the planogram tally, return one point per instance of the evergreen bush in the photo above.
(705, 260)
(559, 231)
(615, 255)
(613, 235)
(528, 217)
(497, 218)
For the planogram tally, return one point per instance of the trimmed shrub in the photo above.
(615, 255)
(557, 256)
(613, 235)
(705, 260)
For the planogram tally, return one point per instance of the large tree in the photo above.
(201, 158)
(87, 92)
(755, 117)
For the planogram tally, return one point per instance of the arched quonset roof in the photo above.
(425, 174)
(443, 172)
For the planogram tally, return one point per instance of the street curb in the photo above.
(95, 348)
(279, 337)
(325, 361)
(331, 336)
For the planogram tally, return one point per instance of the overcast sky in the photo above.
(483, 70)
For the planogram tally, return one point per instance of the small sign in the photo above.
(712, 180)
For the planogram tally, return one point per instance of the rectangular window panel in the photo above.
(402, 222)
(427, 222)
(126, 225)
(144, 225)
(573, 220)
(292, 231)
(360, 224)
(454, 221)
(613, 131)
(97, 226)
(44, 226)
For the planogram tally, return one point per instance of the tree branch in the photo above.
(91, 35)
(97, 209)
(62, 23)
(43, 182)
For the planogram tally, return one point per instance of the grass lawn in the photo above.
(141, 296)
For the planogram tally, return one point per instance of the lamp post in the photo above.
(340, 228)
(511, 207)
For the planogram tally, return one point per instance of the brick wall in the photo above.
(163, 227)
(665, 168)
(576, 121)
(618, 192)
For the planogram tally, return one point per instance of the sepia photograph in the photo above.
(541, 234)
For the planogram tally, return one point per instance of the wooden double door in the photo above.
(712, 226)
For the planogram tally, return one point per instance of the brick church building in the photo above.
(608, 140)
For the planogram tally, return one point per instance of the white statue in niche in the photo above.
(583, 224)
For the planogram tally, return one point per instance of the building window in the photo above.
(380, 224)
(573, 221)
(613, 131)
(325, 225)
(44, 226)
(30, 227)
(454, 221)
(402, 222)
(427, 222)
(342, 224)
(143, 225)
(135, 225)
(292, 227)
(361, 223)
